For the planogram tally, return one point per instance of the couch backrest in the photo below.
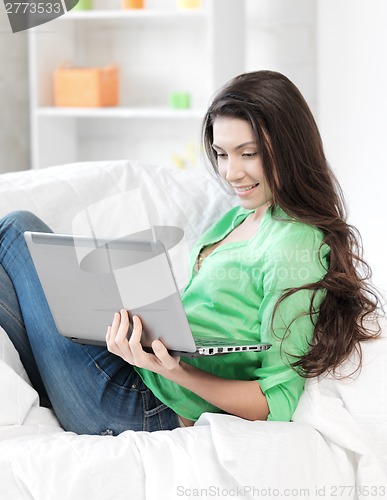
(110, 194)
(118, 198)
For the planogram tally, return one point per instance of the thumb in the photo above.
(163, 355)
(158, 346)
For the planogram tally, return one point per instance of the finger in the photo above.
(163, 355)
(111, 333)
(115, 325)
(123, 327)
(135, 337)
(116, 339)
(109, 346)
(139, 355)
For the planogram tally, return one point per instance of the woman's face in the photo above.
(240, 163)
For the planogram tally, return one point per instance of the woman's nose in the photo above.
(234, 171)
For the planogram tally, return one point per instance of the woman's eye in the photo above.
(249, 155)
(220, 155)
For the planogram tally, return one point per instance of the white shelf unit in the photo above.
(158, 51)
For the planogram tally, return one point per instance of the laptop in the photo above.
(86, 281)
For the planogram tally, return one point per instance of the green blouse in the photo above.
(234, 295)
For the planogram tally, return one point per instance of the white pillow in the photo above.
(16, 393)
(352, 411)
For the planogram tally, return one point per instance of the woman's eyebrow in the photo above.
(249, 143)
(240, 146)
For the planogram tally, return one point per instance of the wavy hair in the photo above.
(304, 186)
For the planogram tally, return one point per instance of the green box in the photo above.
(180, 100)
(84, 5)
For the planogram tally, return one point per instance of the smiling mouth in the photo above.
(246, 188)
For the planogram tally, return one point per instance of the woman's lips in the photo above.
(245, 190)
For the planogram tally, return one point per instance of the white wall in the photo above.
(352, 114)
(14, 106)
(281, 36)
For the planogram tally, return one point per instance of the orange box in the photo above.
(86, 87)
(132, 4)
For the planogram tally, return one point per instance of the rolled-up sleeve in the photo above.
(294, 262)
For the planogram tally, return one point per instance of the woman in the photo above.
(282, 268)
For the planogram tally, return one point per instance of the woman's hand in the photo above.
(131, 350)
(243, 398)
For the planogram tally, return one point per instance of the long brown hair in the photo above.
(304, 186)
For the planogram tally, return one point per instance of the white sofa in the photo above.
(335, 447)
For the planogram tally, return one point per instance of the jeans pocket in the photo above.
(157, 415)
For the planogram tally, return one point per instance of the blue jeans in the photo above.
(91, 390)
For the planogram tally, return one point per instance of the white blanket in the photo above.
(335, 448)
(327, 452)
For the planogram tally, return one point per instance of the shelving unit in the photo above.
(159, 51)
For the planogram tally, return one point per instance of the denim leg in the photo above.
(11, 321)
(91, 390)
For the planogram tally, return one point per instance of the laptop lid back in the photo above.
(85, 283)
